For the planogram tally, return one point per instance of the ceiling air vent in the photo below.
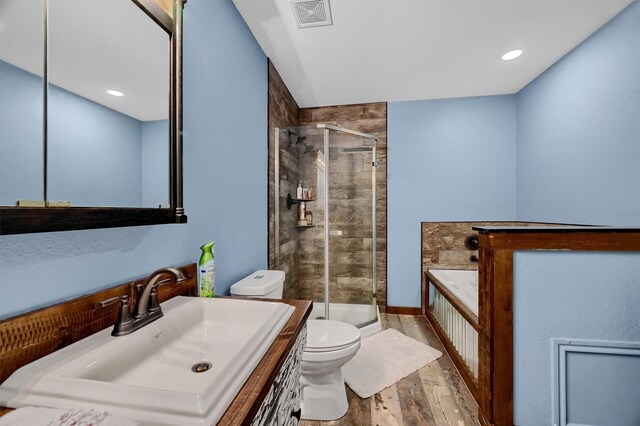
(311, 13)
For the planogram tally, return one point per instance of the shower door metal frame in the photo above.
(276, 202)
(374, 165)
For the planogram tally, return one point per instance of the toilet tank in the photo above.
(266, 284)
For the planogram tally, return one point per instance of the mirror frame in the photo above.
(23, 220)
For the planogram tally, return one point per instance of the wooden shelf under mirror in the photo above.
(22, 220)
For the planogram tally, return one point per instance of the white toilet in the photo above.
(330, 344)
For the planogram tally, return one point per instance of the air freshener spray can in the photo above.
(206, 271)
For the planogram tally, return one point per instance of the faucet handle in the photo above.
(162, 282)
(110, 301)
(124, 323)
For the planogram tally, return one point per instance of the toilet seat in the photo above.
(330, 336)
(330, 355)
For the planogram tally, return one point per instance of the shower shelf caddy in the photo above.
(291, 201)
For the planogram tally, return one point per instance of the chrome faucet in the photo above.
(147, 308)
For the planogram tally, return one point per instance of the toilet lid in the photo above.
(330, 335)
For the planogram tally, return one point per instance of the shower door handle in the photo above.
(335, 232)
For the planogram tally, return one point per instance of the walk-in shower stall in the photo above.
(325, 220)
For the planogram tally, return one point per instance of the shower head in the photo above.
(296, 139)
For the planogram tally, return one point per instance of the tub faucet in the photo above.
(127, 324)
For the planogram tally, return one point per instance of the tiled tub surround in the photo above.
(443, 247)
(33, 335)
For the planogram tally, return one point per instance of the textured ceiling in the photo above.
(396, 50)
(94, 45)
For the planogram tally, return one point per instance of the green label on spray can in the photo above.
(206, 271)
(207, 279)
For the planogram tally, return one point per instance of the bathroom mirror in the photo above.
(108, 105)
(21, 101)
(90, 136)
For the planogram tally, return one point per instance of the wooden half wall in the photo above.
(495, 316)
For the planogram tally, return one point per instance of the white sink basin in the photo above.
(147, 376)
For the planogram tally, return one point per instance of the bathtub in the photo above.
(453, 310)
(463, 284)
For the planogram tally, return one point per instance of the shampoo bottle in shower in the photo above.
(206, 271)
(299, 190)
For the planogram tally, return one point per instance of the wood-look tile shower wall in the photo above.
(283, 113)
(301, 250)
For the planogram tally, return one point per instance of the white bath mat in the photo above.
(385, 358)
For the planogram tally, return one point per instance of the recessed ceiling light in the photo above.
(115, 93)
(511, 55)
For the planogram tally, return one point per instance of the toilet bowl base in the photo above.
(324, 396)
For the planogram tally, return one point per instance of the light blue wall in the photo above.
(155, 163)
(579, 132)
(568, 295)
(94, 152)
(20, 135)
(568, 153)
(577, 161)
(448, 160)
(225, 150)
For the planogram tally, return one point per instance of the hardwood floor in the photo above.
(434, 395)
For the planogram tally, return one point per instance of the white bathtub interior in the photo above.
(463, 284)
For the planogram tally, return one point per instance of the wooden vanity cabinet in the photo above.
(282, 404)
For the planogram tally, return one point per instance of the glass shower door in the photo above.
(350, 273)
(325, 236)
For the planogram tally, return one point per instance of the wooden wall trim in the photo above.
(502, 321)
(33, 335)
(485, 346)
(496, 301)
(559, 240)
(404, 310)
